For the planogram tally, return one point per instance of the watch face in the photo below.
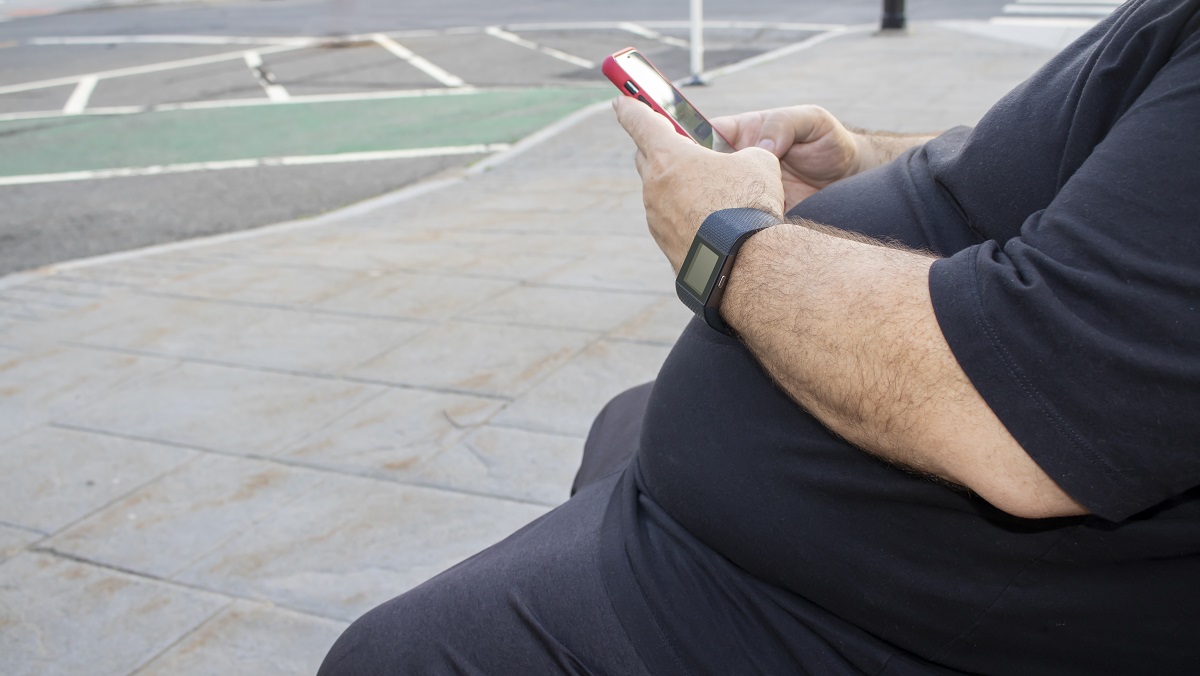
(699, 268)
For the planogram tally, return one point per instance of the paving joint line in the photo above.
(374, 475)
(140, 668)
(78, 558)
(26, 529)
(187, 359)
(534, 430)
(236, 302)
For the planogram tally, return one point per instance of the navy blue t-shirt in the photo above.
(745, 538)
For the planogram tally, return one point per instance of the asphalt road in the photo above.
(134, 126)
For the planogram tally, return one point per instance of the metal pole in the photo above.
(697, 43)
(893, 15)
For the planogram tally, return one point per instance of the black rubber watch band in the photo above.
(705, 270)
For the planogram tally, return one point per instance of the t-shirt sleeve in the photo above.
(1083, 332)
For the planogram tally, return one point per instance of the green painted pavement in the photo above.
(56, 145)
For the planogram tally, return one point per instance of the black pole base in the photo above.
(893, 15)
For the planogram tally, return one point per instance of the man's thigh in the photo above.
(614, 436)
(533, 603)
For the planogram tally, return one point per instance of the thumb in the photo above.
(784, 127)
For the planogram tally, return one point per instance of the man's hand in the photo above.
(813, 147)
(682, 183)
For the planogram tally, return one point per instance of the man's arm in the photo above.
(846, 326)
(847, 329)
(877, 148)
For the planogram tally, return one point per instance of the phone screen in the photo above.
(666, 95)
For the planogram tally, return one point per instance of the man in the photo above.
(956, 429)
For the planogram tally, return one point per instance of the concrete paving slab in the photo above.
(567, 189)
(67, 617)
(1047, 36)
(344, 251)
(845, 76)
(167, 525)
(484, 359)
(233, 410)
(266, 284)
(661, 322)
(508, 463)
(568, 401)
(53, 477)
(250, 638)
(15, 540)
(42, 385)
(532, 200)
(525, 217)
(38, 301)
(638, 270)
(353, 543)
(139, 272)
(560, 243)
(393, 433)
(409, 295)
(566, 308)
(295, 341)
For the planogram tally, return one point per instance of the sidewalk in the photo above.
(214, 456)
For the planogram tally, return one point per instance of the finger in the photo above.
(647, 128)
(731, 127)
(639, 161)
(784, 127)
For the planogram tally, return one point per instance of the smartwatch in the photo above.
(705, 270)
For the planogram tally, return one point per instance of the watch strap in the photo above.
(724, 231)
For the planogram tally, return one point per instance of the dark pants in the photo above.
(531, 604)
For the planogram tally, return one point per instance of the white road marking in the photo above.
(417, 62)
(1071, 10)
(79, 98)
(496, 32)
(246, 103)
(291, 161)
(169, 40)
(275, 91)
(638, 29)
(151, 68)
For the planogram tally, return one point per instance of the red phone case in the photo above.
(617, 75)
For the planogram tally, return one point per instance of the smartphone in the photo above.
(634, 75)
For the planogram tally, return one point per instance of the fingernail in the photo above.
(767, 145)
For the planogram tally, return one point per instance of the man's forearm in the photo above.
(877, 148)
(847, 328)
